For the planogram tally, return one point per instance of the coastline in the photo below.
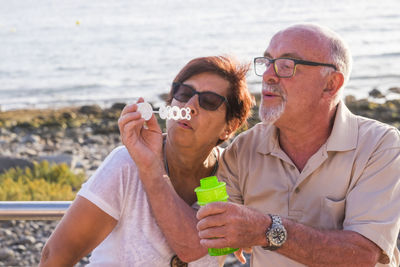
(82, 137)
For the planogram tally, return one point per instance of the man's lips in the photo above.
(270, 94)
(185, 124)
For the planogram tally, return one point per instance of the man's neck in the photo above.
(301, 142)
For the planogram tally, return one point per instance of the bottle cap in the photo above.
(210, 190)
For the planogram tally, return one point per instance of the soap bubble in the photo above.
(165, 112)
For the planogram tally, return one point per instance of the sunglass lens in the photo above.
(210, 101)
(183, 93)
(207, 100)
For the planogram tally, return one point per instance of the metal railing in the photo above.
(33, 210)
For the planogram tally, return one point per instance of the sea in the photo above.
(57, 53)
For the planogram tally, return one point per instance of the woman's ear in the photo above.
(229, 129)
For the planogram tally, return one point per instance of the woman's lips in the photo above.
(185, 124)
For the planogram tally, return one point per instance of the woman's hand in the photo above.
(142, 139)
(239, 254)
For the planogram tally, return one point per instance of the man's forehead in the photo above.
(295, 42)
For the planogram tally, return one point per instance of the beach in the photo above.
(82, 137)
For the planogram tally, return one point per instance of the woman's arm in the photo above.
(176, 219)
(81, 229)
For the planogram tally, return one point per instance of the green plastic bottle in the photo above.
(210, 190)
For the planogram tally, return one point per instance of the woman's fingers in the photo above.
(128, 108)
(131, 116)
(239, 256)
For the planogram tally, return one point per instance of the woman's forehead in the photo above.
(208, 82)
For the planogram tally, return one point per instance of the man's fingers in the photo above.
(213, 242)
(211, 209)
(211, 221)
(213, 232)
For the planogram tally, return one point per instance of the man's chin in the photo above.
(270, 115)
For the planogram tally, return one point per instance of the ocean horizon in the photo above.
(63, 53)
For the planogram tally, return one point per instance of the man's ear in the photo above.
(334, 83)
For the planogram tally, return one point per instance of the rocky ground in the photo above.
(82, 137)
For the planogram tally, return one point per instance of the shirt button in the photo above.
(297, 190)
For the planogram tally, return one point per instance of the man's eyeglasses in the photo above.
(207, 100)
(284, 67)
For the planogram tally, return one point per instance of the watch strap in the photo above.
(276, 221)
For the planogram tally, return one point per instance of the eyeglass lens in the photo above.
(283, 67)
(207, 100)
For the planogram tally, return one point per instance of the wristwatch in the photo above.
(276, 234)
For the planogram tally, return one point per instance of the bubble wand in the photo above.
(165, 112)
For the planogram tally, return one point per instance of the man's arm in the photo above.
(239, 226)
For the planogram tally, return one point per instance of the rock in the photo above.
(91, 110)
(376, 93)
(60, 158)
(6, 253)
(68, 115)
(30, 139)
(349, 99)
(27, 240)
(20, 248)
(94, 139)
(9, 162)
(118, 106)
(395, 90)
(29, 152)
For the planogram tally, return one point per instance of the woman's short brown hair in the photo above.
(239, 99)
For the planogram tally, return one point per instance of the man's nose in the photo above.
(269, 75)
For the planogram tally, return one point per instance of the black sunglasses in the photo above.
(207, 100)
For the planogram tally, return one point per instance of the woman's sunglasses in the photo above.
(207, 100)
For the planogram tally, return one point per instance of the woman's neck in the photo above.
(186, 166)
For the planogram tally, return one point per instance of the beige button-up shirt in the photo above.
(352, 182)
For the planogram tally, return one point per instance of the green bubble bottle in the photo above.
(210, 190)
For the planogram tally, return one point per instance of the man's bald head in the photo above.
(331, 47)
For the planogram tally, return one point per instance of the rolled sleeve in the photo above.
(373, 204)
(228, 173)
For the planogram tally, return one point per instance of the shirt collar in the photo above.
(343, 137)
(270, 141)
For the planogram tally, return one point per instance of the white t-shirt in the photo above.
(136, 240)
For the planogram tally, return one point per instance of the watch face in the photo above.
(277, 236)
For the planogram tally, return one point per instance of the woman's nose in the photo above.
(193, 104)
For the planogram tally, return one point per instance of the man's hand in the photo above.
(223, 224)
(142, 139)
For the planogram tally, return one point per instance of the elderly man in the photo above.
(313, 184)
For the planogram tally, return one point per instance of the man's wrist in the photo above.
(276, 234)
(266, 223)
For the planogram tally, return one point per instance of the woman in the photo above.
(112, 213)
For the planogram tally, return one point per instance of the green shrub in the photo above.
(43, 182)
